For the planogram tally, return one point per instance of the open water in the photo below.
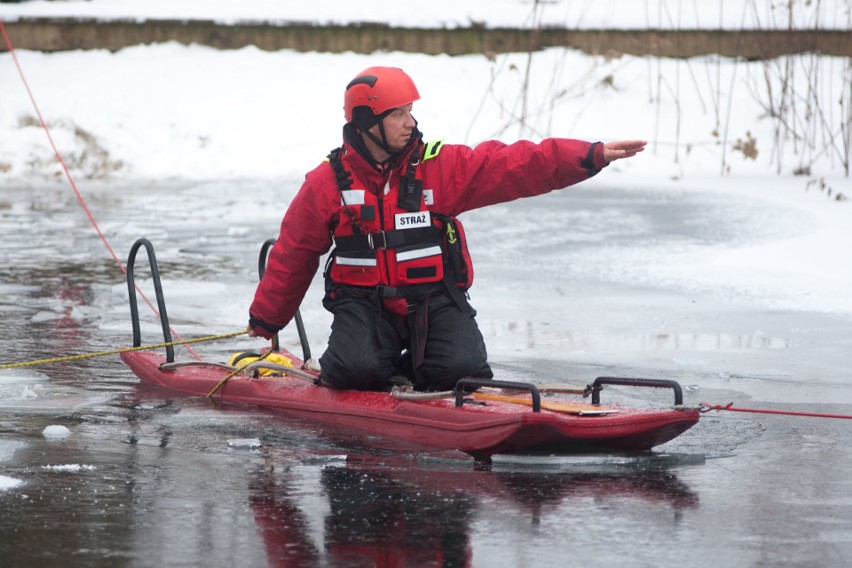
(145, 477)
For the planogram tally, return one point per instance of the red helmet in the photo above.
(380, 89)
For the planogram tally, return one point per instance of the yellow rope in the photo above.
(221, 383)
(122, 350)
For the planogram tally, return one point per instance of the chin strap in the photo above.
(356, 131)
(383, 143)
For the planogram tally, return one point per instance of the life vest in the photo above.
(393, 238)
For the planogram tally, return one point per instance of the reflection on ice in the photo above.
(676, 341)
(612, 463)
(416, 513)
(531, 334)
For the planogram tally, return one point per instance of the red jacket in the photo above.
(461, 179)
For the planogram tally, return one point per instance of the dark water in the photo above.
(149, 478)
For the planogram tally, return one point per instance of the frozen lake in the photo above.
(586, 282)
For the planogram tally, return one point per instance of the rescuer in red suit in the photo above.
(397, 279)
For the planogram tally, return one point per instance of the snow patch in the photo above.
(9, 482)
(70, 467)
(246, 443)
(56, 432)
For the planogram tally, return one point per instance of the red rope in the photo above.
(71, 179)
(730, 406)
(55, 151)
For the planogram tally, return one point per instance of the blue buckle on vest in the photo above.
(372, 242)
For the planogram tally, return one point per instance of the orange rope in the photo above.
(730, 406)
(71, 179)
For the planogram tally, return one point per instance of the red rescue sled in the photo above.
(480, 428)
(481, 424)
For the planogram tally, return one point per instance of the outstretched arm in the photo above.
(622, 149)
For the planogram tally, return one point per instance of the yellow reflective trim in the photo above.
(432, 148)
(451, 234)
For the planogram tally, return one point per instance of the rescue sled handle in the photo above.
(300, 326)
(634, 382)
(158, 289)
(460, 393)
(596, 387)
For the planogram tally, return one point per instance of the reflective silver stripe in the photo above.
(347, 261)
(418, 253)
(352, 197)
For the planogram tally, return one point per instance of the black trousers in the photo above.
(367, 342)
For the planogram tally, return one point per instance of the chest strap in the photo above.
(411, 188)
(410, 197)
(344, 183)
(389, 239)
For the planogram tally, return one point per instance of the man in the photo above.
(396, 281)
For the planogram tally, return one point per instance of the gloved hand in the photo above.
(259, 328)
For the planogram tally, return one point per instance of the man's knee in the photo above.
(356, 371)
(446, 373)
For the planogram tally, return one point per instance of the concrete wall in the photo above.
(66, 34)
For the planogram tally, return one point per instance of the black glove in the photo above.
(263, 329)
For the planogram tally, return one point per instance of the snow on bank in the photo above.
(168, 110)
